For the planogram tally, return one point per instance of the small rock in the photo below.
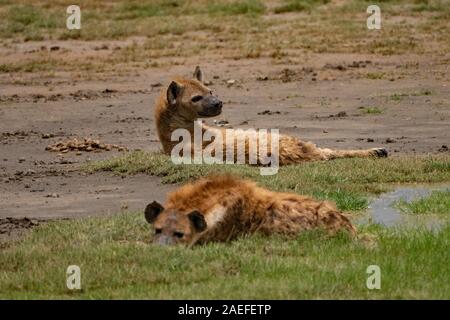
(221, 123)
(268, 112)
(52, 195)
(109, 90)
(340, 114)
(47, 135)
(102, 47)
(231, 82)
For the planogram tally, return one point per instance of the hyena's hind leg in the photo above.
(330, 154)
(293, 150)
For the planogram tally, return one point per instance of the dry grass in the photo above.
(279, 30)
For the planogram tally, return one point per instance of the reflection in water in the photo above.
(383, 211)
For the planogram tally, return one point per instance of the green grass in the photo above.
(237, 7)
(30, 21)
(139, 9)
(103, 20)
(35, 65)
(348, 182)
(375, 75)
(297, 5)
(398, 96)
(372, 110)
(117, 261)
(438, 202)
(429, 5)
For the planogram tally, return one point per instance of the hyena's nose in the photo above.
(163, 240)
(218, 104)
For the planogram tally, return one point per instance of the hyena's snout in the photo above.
(212, 106)
(163, 240)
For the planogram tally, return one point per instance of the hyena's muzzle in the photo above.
(211, 107)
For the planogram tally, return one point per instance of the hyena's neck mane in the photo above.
(168, 119)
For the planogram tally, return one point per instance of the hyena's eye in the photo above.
(157, 231)
(178, 234)
(196, 98)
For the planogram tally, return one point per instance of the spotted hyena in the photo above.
(185, 100)
(221, 208)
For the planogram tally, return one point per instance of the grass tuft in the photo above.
(298, 5)
(372, 110)
(438, 202)
(252, 7)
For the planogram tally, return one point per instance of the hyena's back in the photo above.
(291, 214)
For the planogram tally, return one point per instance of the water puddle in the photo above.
(382, 210)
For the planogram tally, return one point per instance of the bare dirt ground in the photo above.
(335, 100)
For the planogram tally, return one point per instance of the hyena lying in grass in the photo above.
(222, 208)
(186, 100)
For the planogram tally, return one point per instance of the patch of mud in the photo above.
(269, 112)
(79, 95)
(14, 228)
(290, 75)
(346, 66)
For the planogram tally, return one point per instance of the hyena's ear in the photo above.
(152, 211)
(197, 220)
(198, 74)
(173, 92)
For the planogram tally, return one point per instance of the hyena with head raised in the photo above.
(186, 100)
(222, 208)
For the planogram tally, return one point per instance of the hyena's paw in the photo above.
(380, 152)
